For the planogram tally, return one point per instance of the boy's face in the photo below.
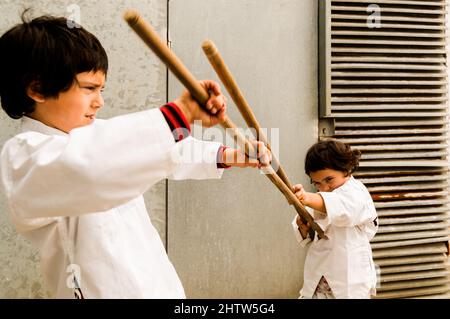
(327, 180)
(76, 107)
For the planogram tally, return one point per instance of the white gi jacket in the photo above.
(78, 198)
(345, 258)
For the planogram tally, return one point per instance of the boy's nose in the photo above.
(98, 103)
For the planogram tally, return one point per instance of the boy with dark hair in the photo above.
(75, 183)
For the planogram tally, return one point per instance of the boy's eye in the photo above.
(94, 88)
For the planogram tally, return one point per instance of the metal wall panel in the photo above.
(387, 96)
(232, 238)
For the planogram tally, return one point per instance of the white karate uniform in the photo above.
(345, 258)
(78, 198)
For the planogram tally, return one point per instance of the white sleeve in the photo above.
(92, 169)
(195, 159)
(346, 209)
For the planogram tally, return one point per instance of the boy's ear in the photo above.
(33, 92)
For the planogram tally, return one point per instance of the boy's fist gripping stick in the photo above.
(280, 180)
(145, 31)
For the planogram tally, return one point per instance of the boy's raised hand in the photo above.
(215, 106)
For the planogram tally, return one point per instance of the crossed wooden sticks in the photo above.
(279, 178)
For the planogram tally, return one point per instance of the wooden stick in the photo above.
(154, 42)
(151, 38)
(230, 84)
(233, 89)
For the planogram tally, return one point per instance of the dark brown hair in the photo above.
(331, 154)
(46, 52)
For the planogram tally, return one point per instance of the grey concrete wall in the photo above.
(136, 81)
(232, 238)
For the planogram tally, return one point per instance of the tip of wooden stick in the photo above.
(131, 16)
(209, 48)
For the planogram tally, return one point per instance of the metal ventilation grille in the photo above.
(383, 90)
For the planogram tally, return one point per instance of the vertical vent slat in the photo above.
(384, 90)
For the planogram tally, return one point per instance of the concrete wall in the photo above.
(232, 237)
(227, 238)
(136, 81)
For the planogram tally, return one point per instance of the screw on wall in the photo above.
(326, 127)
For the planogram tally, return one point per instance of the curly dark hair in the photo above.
(332, 154)
(45, 54)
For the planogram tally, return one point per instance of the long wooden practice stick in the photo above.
(246, 111)
(230, 84)
(151, 38)
(154, 42)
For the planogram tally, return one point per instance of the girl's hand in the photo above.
(315, 201)
(302, 227)
(301, 194)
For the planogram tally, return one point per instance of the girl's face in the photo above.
(327, 180)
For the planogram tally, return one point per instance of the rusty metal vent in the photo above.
(383, 90)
